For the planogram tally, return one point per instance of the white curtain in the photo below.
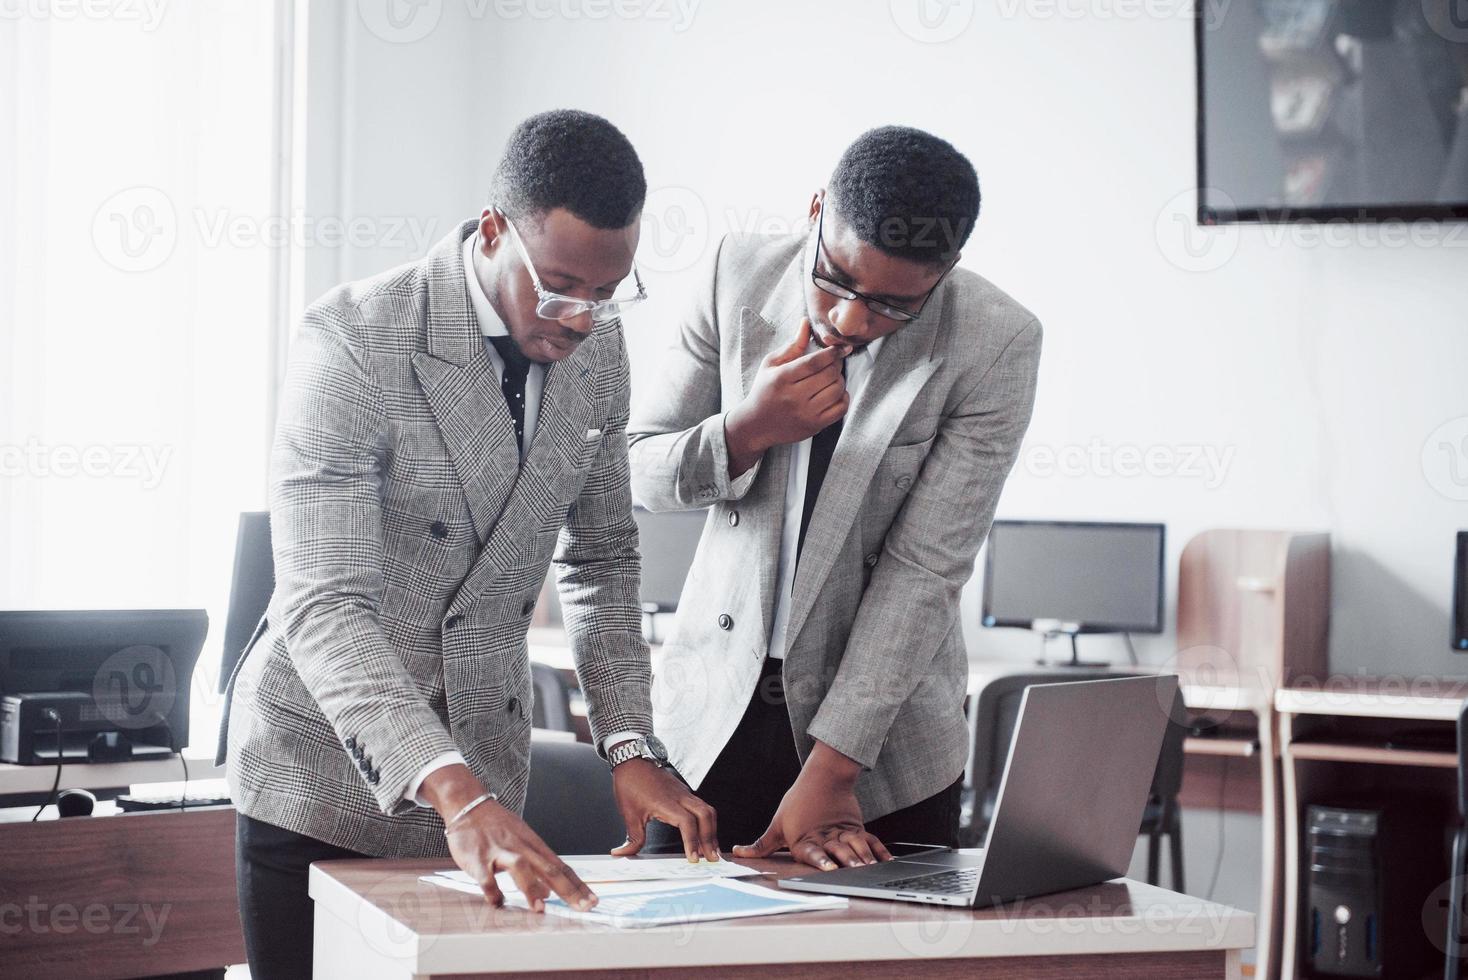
(136, 246)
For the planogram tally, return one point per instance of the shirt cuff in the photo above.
(438, 762)
(615, 738)
(738, 486)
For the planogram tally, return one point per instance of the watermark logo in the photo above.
(147, 14)
(136, 687)
(400, 21)
(1445, 459)
(36, 917)
(675, 230)
(932, 21)
(1205, 464)
(135, 230)
(1187, 244)
(1448, 18)
(37, 460)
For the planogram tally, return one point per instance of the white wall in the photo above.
(1312, 371)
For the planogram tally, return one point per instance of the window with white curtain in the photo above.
(138, 140)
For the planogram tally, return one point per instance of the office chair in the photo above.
(997, 712)
(249, 589)
(1455, 946)
(552, 699)
(569, 802)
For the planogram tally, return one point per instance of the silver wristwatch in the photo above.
(648, 747)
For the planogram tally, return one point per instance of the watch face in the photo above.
(656, 747)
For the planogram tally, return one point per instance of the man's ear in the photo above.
(493, 227)
(817, 200)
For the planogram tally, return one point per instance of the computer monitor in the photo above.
(668, 542)
(249, 589)
(135, 665)
(1075, 576)
(1460, 595)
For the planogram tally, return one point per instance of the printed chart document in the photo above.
(667, 893)
(596, 870)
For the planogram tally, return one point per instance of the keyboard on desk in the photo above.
(959, 881)
(144, 803)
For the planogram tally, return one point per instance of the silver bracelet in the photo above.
(482, 798)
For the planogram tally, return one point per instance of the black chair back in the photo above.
(552, 699)
(569, 802)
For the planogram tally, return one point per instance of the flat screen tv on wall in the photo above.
(1325, 110)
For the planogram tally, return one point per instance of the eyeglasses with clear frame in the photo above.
(834, 288)
(558, 306)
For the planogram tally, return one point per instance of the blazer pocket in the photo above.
(899, 466)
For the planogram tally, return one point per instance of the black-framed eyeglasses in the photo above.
(830, 286)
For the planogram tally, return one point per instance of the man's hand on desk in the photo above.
(819, 819)
(645, 791)
(490, 838)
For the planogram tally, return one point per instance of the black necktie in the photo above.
(512, 383)
(822, 446)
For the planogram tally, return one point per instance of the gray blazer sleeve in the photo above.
(908, 607)
(599, 575)
(326, 525)
(680, 460)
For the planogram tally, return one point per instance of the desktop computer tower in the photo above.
(1370, 875)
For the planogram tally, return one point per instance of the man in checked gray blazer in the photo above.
(848, 405)
(449, 428)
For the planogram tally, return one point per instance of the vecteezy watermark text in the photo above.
(41, 460)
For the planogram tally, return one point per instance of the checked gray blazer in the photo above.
(410, 546)
(875, 662)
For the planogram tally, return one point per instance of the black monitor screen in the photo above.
(1354, 109)
(668, 542)
(1101, 577)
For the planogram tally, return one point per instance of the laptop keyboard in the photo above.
(959, 881)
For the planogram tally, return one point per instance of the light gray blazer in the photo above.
(875, 664)
(410, 546)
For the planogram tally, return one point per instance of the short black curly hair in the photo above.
(907, 192)
(570, 159)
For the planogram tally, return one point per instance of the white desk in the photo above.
(375, 919)
(104, 775)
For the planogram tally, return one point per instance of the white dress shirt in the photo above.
(490, 325)
(858, 369)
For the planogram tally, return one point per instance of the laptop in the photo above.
(1070, 803)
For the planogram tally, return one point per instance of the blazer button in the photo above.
(452, 621)
(357, 752)
(733, 518)
(512, 706)
(871, 561)
(726, 622)
(528, 608)
(351, 743)
(373, 777)
(438, 529)
(903, 482)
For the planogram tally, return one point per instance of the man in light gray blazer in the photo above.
(847, 404)
(448, 429)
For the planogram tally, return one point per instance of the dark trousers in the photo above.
(271, 868)
(759, 763)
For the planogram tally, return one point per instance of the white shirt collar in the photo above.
(490, 324)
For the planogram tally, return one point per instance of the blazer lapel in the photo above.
(904, 364)
(774, 325)
(458, 379)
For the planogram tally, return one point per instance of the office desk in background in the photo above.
(375, 919)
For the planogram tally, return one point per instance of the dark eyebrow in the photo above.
(847, 279)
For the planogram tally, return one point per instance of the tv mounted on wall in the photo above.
(1329, 110)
